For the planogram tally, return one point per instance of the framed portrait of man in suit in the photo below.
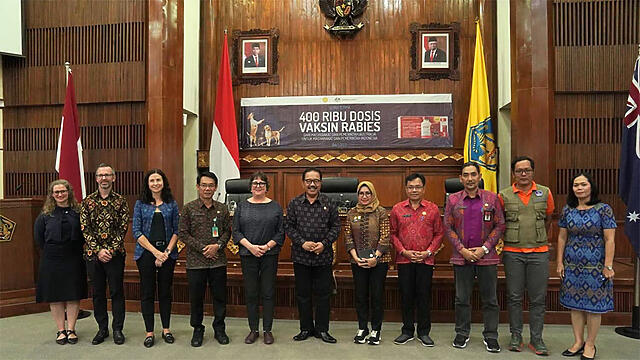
(435, 48)
(435, 51)
(255, 57)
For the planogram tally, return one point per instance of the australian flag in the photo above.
(629, 181)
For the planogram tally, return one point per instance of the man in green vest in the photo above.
(528, 207)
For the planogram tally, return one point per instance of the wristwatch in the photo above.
(610, 268)
(486, 251)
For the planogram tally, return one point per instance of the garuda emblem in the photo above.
(343, 13)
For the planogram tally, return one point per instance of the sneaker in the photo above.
(460, 341)
(492, 345)
(403, 339)
(374, 339)
(361, 336)
(539, 348)
(426, 340)
(516, 343)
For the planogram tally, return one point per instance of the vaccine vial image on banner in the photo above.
(425, 128)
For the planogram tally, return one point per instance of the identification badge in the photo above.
(487, 215)
(406, 216)
(214, 229)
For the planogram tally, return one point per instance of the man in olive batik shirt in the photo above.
(205, 228)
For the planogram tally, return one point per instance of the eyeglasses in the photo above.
(364, 193)
(104, 175)
(207, 186)
(60, 192)
(258, 183)
(523, 171)
(414, 188)
(312, 181)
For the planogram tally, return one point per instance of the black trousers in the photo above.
(369, 286)
(415, 291)
(217, 279)
(101, 273)
(149, 275)
(313, 282)
(259, 277)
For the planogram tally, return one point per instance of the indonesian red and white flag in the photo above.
(69, 163)
(224, 157)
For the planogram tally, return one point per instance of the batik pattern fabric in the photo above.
(104, 223)
(584, 287)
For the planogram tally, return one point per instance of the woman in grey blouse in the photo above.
(259, 232)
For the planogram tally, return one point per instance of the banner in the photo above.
(347, 122)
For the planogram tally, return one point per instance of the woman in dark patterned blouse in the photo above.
(367, 241)
(258, 228)
(62, 279)
(155, 227)
(585, 262)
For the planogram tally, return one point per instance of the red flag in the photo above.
(224, 157)
(69, 163)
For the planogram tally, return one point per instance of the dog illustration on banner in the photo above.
(266, 136)
(270, 135)
(253, 130)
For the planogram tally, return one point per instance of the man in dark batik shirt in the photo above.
(104, 218)
(313, 225)
(205, 228)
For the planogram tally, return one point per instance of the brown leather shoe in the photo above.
(251, 338)
(268, 337)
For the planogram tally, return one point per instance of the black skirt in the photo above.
(63, 274)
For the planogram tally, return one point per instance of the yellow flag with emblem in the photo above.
(479, 142)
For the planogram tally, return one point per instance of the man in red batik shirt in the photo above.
(416, 234)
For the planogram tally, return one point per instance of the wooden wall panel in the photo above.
(67, 13)
(376, 61)
(105, 43)
(596, 44)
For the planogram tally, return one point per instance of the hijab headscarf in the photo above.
(373, 204)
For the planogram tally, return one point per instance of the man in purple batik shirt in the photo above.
(473, 222)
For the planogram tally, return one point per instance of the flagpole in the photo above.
(67, 69)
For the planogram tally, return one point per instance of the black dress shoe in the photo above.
(303, 335)
(168, 338)
(222, 337)
(148, 341)
(326, 337)
(568, 352)
(118, 337)
(100, 336)
(198, 334)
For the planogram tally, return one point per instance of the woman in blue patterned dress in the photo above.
(585, 262)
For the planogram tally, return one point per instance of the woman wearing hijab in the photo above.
(367, 241)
